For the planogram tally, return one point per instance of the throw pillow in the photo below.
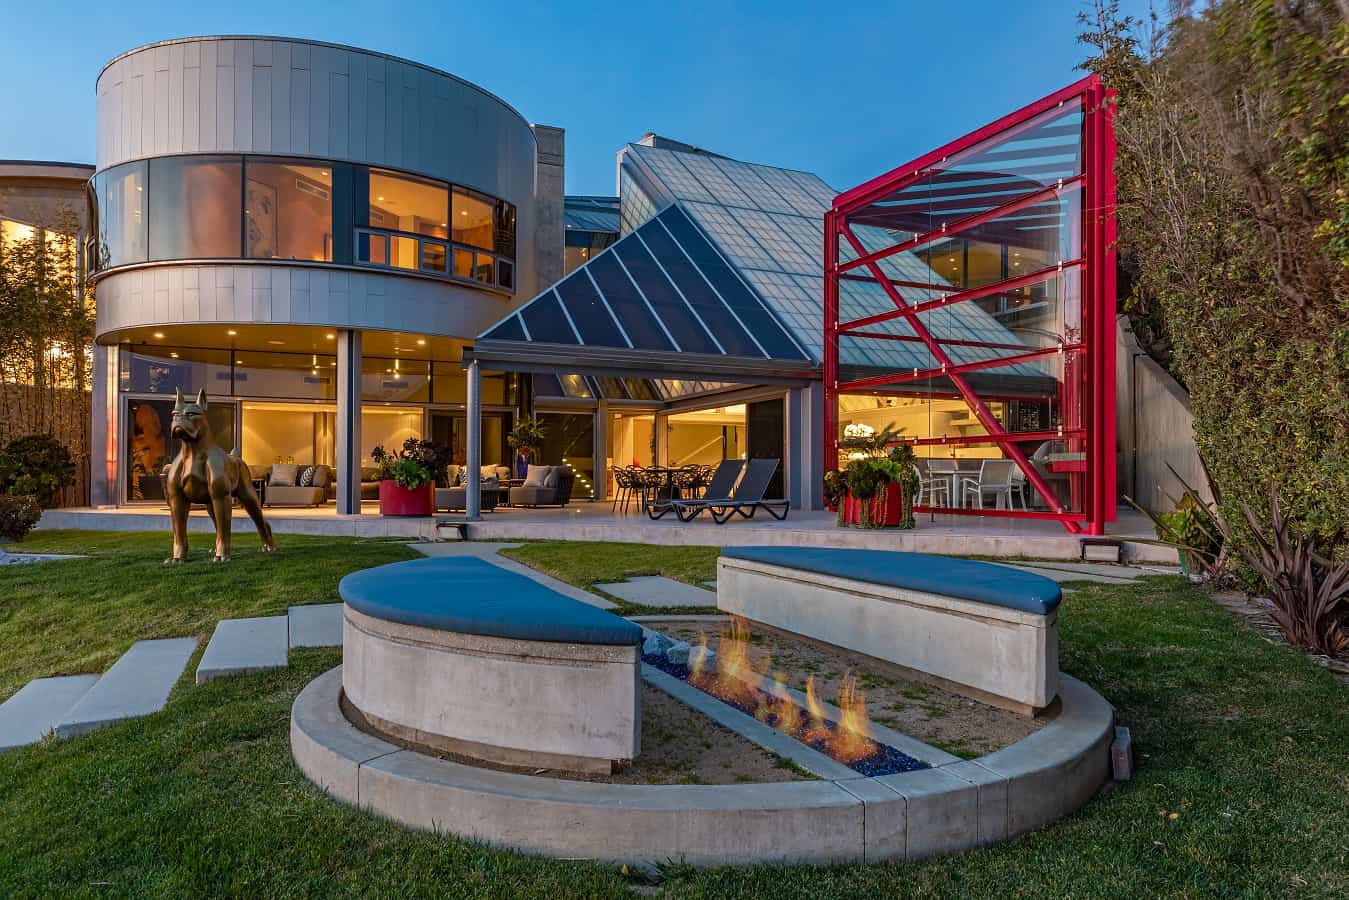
(283, 475)
(536, 475)
(322, 475)
(486, 472)
(554, 472)
(306, 477)
(452, 474)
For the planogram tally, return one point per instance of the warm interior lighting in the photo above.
(231, 332)
(421, 342)
(159, 335)
(276, 343)
(174, 355)
(330, 336)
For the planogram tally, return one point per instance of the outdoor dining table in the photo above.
(664, 478)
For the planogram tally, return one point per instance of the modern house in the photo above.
(346, 249)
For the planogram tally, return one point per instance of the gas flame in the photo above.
(851, 740)
(696, 661)
(784, 707)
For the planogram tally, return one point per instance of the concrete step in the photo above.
(138, 684)
(240, 646)
(316, 626)
(657, 590)
(29, 715)
(1062, 575)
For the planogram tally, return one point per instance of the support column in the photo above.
(662, 440)
(473, 419)
(348, 422)
(104, 437)
(805, 462)
(600, 453)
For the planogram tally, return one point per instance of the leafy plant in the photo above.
(527, 435)
(38, 466)
(411, 474)
(1310, 592)
(18, 515)
(865, 479)
(1190, 527)
(415, 465)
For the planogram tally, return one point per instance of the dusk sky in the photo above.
(845, 90)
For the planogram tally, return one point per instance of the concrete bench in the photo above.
(988, 631)
(456, 654)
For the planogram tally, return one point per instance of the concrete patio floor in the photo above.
(584, 521)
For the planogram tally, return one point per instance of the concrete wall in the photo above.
(1155, 428)
(549, 202)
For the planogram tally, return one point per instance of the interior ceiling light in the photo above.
(231, 332)
(159, 335)
(421, 342)
(331, 336)
(276, 343)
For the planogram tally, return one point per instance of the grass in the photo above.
(80, 615)
(586, 564)
(1242, 787)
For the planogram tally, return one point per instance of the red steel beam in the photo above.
(996, 362)
(976, 404)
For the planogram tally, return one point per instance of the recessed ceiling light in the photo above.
(159, 335)
(231, 332)
(174, 355)
(444, 224)
(379, 198)
(275, 343)
(421, 342)
(331, 336)
(463, 212)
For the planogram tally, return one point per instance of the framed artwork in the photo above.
(260, 201)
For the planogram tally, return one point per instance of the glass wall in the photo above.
(258, 207)
(194, 208)
(980, 365)
(569, 439)
(288, 208)
(150, 445)
(120, 194)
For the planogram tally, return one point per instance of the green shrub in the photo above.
(37, 466)
(18, 515)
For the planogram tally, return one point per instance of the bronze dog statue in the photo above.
(204, 473)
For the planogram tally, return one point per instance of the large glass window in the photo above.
(194, 207)
(150, 445)
(395, 379)
(473, 220)
(289, 211)
(162, 370)
(404, 203)
(121, 215)
(215, 207)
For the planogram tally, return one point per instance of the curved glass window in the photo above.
(288, 209)
(261, 207)
(121, 215)
(194, 207)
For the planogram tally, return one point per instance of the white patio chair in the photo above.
(942, 475)
(996, 476)
(934, 488)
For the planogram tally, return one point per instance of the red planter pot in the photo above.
(401, 501)
(886, 508)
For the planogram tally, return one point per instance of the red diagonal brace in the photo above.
(976, 403)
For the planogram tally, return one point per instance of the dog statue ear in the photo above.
(201, 398)
(177, 396)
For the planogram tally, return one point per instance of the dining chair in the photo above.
(943, 474)
(995, 477)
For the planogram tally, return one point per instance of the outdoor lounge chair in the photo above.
(723, 480)
(745, 500)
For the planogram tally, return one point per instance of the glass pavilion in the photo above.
(965, 303)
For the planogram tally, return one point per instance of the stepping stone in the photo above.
(240, 646)
(29, 715)
(138, 684)
(316, 626)
(657, 590)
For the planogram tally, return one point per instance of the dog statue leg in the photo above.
(178, 507)
(223, 515)
(248, 499)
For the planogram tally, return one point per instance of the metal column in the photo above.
(473, 491)
(348, 422)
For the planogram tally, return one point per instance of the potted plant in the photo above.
(406, 482)
(526, 438)
(876, 490)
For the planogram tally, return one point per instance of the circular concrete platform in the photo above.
(945, 809)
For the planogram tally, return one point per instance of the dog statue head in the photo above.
(189, 418)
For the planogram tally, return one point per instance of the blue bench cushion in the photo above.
(472, 596)
(966, 579)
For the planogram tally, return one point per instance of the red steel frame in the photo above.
(1089, 366)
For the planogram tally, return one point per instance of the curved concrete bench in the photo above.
(459, 655)
(945, 809)
(987, 630)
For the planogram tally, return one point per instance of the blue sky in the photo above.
(846, 90)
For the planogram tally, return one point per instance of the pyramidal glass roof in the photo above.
(662, 288)
(726, 257)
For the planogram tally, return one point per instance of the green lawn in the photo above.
(1242, 788)
(586, 564)
(63, 618)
